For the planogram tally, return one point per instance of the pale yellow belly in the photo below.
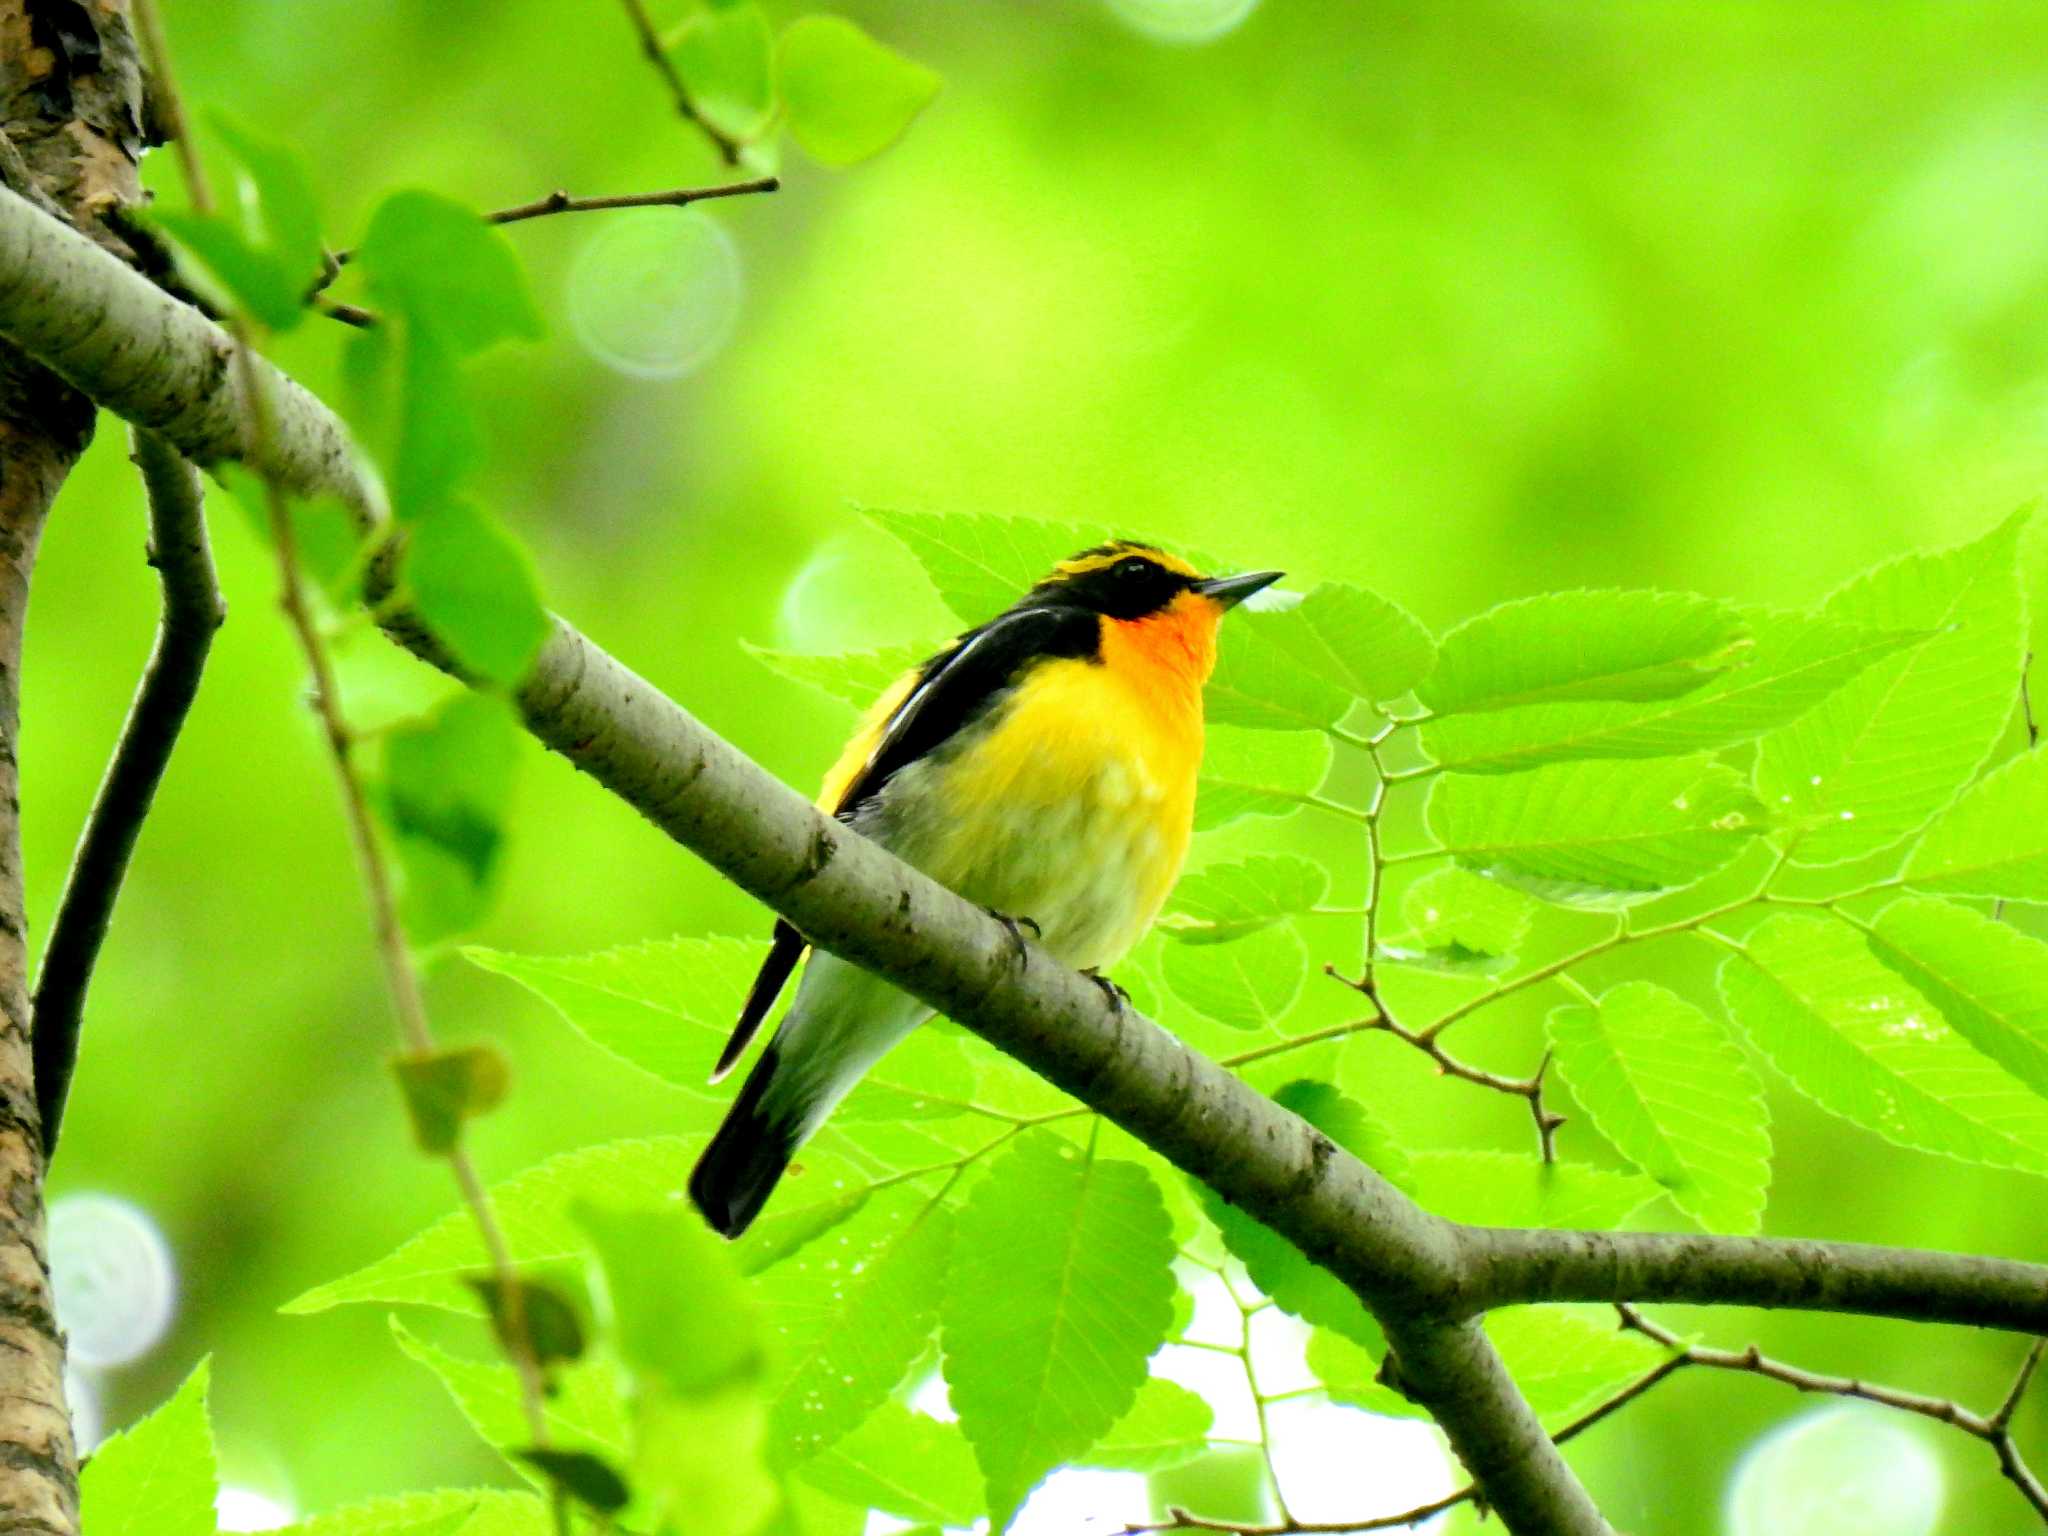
(1071, 806)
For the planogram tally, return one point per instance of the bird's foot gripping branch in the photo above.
(1530, 809)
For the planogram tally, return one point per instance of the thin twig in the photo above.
(1529, 1089)
(192, 611)
(557, 201)
(686, 106)
(400, 976)
(1994, 1428)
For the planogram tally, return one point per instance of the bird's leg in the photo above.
(1016, 927)
(1119, 999)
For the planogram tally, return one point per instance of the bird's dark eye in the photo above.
(1134, 569)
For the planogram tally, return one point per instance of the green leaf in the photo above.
(1061, 1288)
(585, 1411)
(1256, 773)
(1596, 833)
(253, 279)
(697, 1468)
(667, 1007)
(1663, 1082)
(1510, 1189)
(445, 1512)
(1276, 1266)
(980, 563)
(903, 1464)
(1854, 1037)
(1230, 1484)
(1228, 901)
(1459, 922)
(1873, 761)
(1168, 1426)
(1583, 645)
(551, 1323)
(440, 436)
(588, 1479)
(444, 269)
(1796, 660)
(850, 1317)
(156, 1478)
(432, 1269)
(1371, 648)
(472, 585)
(726, 56)
(848, 96)
(443, 1088)
(1994, 840)
(1261, 683)
(858, 678)
(679, 1314)
(1247, 985)
(446, 788)
(1989, 979)
(285, 210)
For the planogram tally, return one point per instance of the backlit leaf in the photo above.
(1596, 833)
(848, 96)
(586, 1411)
(1227, 901)
(1257, 773)
(445, 791)
(1583, 645)
(1994, 840)
(1855, 1037)
(1371, 648)
(473, 586)
(1167, 1426)
(1247, 985)
(157, 1477)
(1663, 1082)
(1514, 1189)
(726, 56)
(857, 678)
(1061, 1288)
(1454, 920)
(1873, 761)
(1260, 683)
(442, 268)
(903, 1464)
(1989, 979)
(981, 563)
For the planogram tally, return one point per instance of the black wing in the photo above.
(954, 687)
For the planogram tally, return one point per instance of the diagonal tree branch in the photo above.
(1425, 1278)
(192, 611)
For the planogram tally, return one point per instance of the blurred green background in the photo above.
(1458, 302)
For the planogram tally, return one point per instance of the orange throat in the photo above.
(1168, 654)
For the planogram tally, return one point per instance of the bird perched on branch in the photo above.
(1043, 765)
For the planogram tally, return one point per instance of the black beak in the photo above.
(1229, 591)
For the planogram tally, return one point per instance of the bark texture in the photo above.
(71, 131)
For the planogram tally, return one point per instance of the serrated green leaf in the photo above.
(1852, 1035)
(903, 1464)
(532, 1208)
(473, 586)
(157, 1477)
(444, 794)
(1061, 1288)
(1794, 661)
(848, 96)
(1168, 1426)
(1230, 1483)
(1276, 1266)
(442, 268)
(1257, 773)
(1583, 645)
(850, 1317)
(1459, 922)
(1994, 840)
(1596, 833)
(1989, 979)
(1248, 985)
(980, 563)
(1506, 1189)
(677, 1311)
(1663, 1082)
(1228, 901)
(1873, 761)
(858, 678)
(1259, 682)
(585, 1410)
(667, 1006)
(1371, 648)
(726, 56)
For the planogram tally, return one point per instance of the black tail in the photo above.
(738, 1171)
